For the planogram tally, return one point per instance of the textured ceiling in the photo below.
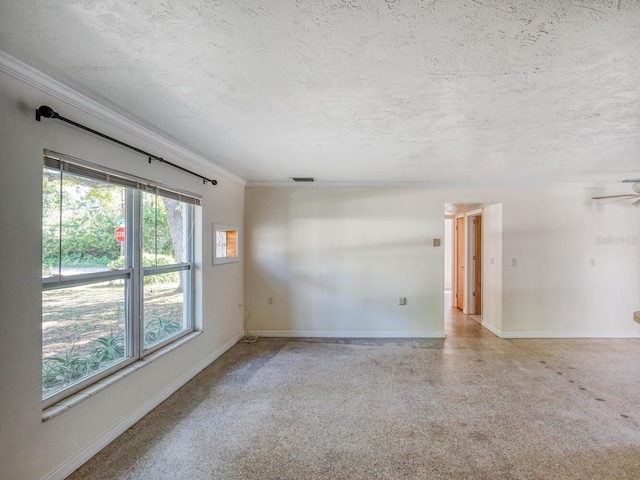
(350, 90)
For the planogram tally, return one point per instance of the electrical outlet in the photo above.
(269, 300)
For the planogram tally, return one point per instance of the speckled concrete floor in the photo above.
(472, 406)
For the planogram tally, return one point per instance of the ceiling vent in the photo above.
(303, 179)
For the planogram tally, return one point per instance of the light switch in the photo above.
(436, 242)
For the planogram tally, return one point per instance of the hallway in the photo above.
(459, 325)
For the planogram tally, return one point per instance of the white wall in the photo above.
(552, 233)
(335, 259)
(492, 268)
(448, 253)
(33, 449)
(335, 262)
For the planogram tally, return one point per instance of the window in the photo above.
(117, 272)
(225, 249)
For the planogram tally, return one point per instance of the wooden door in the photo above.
(460, 263)
(477, 264)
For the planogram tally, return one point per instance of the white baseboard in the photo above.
(78, 460)
(569, 335)
(501, 334)
(492, 329)
(341, 334)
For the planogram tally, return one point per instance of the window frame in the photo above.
(218, 227)
(133, 272)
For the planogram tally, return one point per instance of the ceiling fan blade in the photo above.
(628, 195)
(619, 200)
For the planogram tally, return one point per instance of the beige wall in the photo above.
(553, 291)
(334, 260)
(448, 245)
(30, 448)
(492, 267)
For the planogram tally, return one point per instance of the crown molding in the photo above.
(36, 79)
(432, 185)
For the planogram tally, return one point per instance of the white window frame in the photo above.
(134, 272)
(227, 228)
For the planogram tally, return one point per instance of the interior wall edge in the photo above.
(496, 331)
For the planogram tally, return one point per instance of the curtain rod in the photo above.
(48, 112)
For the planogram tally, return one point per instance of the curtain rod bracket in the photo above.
(48, 112)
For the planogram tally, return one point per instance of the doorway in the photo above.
(459, 263)
(473, 262)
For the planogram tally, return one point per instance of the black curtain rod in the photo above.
(47, 112)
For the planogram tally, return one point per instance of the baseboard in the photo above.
(342, 334)
(81, 458)
(569, 335)
(497, 332)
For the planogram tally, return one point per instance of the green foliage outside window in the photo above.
(72, 365)
(93, 214)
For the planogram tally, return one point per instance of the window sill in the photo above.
(67, 403)
(225, 260)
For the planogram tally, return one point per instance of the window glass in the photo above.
(109, 251)
(226, 244)
(221, 243)
(162, 230)
(173, 237)
(83, 332)
(166, 231)
(92, 211)
(51, 222)
(165, 311)
(83, 326)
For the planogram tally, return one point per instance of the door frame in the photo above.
(474, 262)
(491, 267)
(467, 281)
(459, 257)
